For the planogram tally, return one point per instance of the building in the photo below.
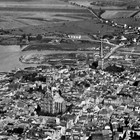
(100, 136)
(24, 41)
(60, 104)
(47, 104)
(113, 100)
(76, 37)
(53, 103)
(97, 136)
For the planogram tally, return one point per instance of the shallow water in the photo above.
(9, 57)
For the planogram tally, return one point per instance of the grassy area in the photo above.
(92, 26)
(129, 21)
(49, 17)
(53, 58)
(110, 14)
(62, 46)
(17, 14)
(17, 18)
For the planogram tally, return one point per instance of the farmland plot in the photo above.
(117, 14)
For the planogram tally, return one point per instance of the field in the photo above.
(13, 19)
(82, 2)
(45, 16)
(45, 58)
(111, 14)
(138, 15)
(63, 46)
(91, 26)
(89, 3)
(17, 14)
(129, 21)
(48, 17)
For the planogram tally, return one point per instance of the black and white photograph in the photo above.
(69, 69)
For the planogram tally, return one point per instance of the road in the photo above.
(91, 11)
(112, 51)
(135, 53)
(24, 47)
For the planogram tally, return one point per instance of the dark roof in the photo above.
(114, 68)
(111, 96)
(94, 65)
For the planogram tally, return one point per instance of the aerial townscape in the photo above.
(69, 70)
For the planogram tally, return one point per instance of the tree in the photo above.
(120, 129)
(94, 65)
(38, 110)
(131, 134)
(124, 135)
(111, 127)
(39, 37)
(126, 122)
(120, 138)
(23, 36)
(63, 137)
(29, 37)
(135, 135)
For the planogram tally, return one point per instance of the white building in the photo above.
(74, 37)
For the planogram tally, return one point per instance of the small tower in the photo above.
(47, 103)
(101, 61)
